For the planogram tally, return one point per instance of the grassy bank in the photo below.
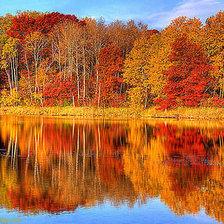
(94, 112)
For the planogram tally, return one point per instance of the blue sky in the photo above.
(155, 13)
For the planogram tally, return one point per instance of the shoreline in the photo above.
(201, 113)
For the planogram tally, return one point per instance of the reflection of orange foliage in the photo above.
(182, 177)
(57, 139)
(111, 170)
(53, 151)
(175, 166)
(183, 142)
(68, 163)
(186, 152)
(112, 143)
(26, 202)
(64, 186)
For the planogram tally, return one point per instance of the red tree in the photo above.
(60, 91)
(25, 23)
(188, 77)
(45, 23)
(110, 81)
(22, 24)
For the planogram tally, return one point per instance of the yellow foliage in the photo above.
(149, 58)
(9, 99)
(143, 69)
(213, 43)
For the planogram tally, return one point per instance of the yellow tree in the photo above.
(5, 23)
(9, 62)
(214, 45)
(143, 69)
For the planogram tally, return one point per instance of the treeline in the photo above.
(52, 59)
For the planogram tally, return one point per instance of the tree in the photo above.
(9, 62)
(110, 81)
(22, 24)
(5, 23)
(123, 35)
(143, 69)
(214, 45)
(35, 45)
(188, 77)
(60, 91)
(98, 39)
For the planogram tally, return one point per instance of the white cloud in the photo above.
(191, 8)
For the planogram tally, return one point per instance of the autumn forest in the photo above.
(52, 59)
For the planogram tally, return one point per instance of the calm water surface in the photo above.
(55, 170)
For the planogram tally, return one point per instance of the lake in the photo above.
(64, 170)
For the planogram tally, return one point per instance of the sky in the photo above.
(155, 13)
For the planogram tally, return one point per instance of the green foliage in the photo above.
(67, 102)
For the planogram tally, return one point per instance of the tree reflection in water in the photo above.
(54, 165)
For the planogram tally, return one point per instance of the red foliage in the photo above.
(25, 23)
(60, 91)
(45, 23)
(3, 79)
(218, 102)
(109, 67)
(149, 33)
(188, 76)
(188, 152)
(215, 102)
(21, 26)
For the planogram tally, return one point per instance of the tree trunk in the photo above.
(146, 96)
(84, 77)
(9, 80)
(99, 95)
